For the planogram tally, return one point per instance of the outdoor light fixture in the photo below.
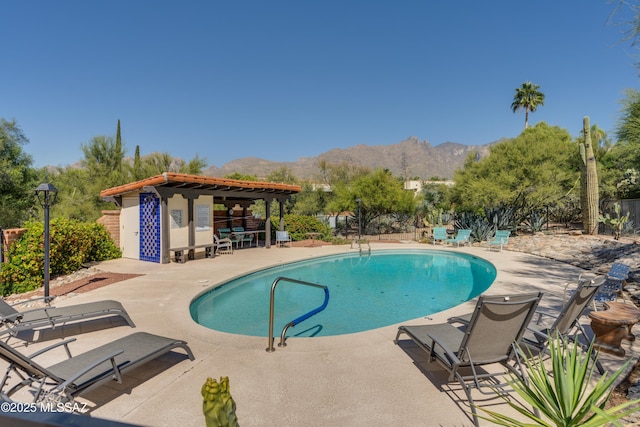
(359, 202)
(46, 194)
(230, 211)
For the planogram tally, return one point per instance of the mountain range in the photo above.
(410, 158)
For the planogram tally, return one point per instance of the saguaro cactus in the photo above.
(218, 406)
(589, 196)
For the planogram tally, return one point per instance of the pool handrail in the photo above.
(294, 322)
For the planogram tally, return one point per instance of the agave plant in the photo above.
(536, 220)
(478, 224)
(502, 216)
(565, 396)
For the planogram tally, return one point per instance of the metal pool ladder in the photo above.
(297, 320)
(360, 248)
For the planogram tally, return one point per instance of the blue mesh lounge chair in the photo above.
(64, 381)
(611, 290)
(50, 317)
(462, 238)
(500, 239)
(439, 234)
(497, 323)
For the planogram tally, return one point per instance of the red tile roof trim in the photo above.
(168, 178)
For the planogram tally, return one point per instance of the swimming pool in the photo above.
(366, 292)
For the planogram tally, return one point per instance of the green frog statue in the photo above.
(218, 406)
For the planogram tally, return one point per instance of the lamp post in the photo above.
(46, 194)
(359, 202)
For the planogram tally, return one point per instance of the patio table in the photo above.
(613, 325)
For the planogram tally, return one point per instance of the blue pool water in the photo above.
(366, 292)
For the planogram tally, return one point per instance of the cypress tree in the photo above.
(137, 165)
(118, 151)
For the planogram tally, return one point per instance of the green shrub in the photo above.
(298, 225)
(72, 244)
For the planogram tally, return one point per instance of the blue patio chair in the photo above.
(226, 233)
(500, 239)
(463, 237)
(611, 290)
(439, 234)
(238, 232)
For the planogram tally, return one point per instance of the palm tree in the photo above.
(527, 97)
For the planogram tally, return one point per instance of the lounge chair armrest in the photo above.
(11, 318)
(64, 343)
(111, 357)
(453, 359)
(540, 314)
(45, 299)
(464, 319)
(540, 333)
(32, 310)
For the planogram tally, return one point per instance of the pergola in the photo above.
(227, 192)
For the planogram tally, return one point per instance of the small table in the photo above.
(313, 236)
(240, 236)
(613, 325)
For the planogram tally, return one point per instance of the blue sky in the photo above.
(282, 80)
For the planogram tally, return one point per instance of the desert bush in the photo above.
(72, 244)
(298, 225)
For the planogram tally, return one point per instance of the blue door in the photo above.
(149, 227)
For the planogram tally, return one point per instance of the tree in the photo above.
(536, 169)
(310, 201)
(77, 198)
(102, 159)
(340, 174)
(380, 194)
(284, 175)
(18, 179)
(194, 166)
(620, 164)
(628, 126)
(118, 149)
(527, 98)
(241, 177)
(136, 172)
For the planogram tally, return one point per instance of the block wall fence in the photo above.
(111, 221)
(8, 237)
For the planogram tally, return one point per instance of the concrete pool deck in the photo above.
(358, 379)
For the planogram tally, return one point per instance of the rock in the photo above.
(634, 392)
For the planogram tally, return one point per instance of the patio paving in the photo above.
(358, 379)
